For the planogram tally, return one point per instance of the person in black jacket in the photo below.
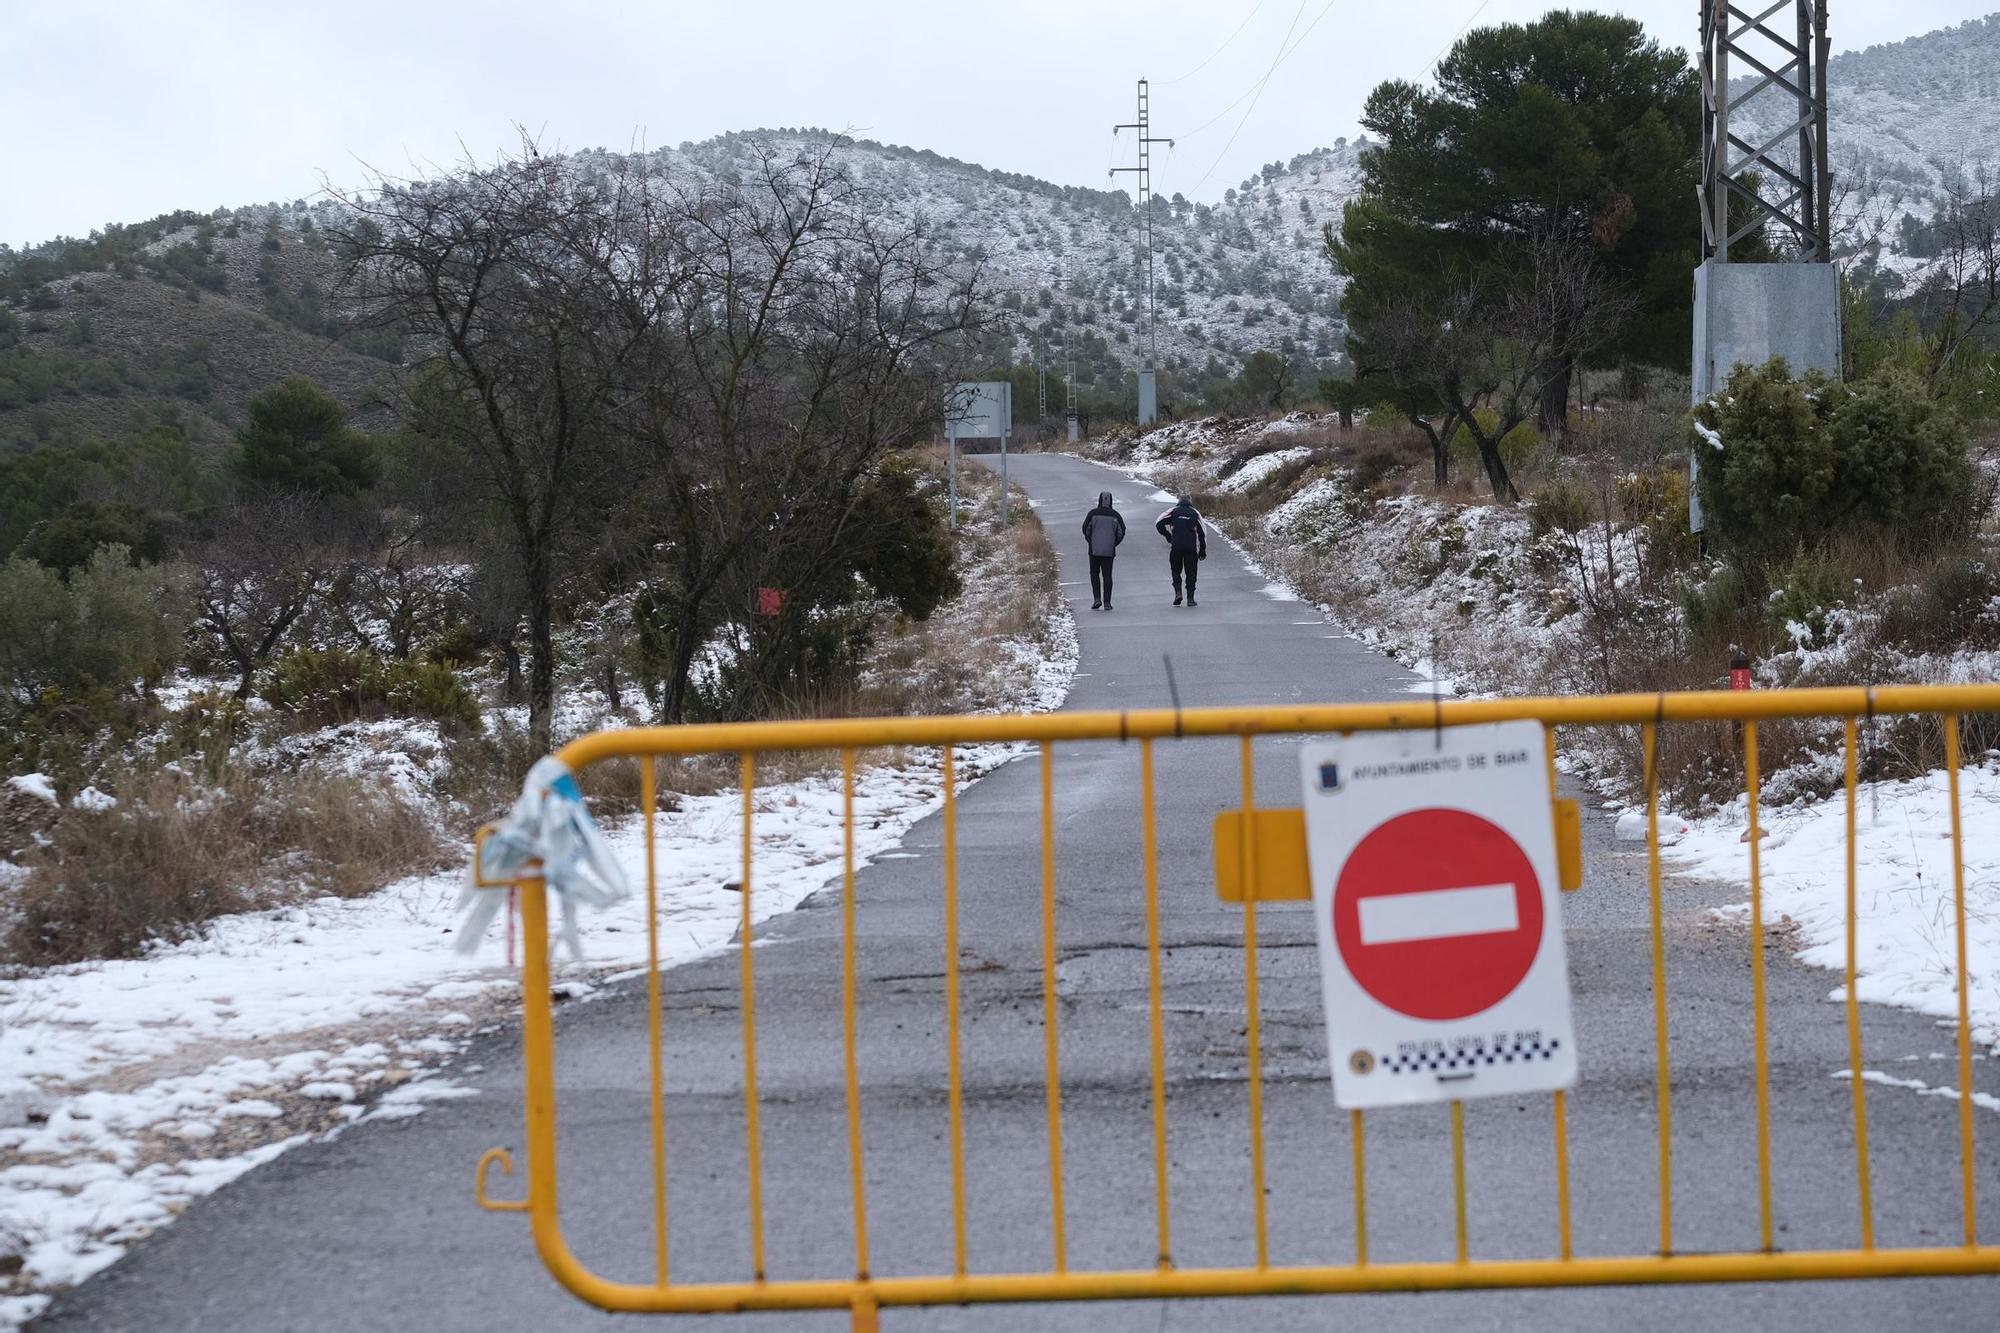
(1187, 544)
(1103, 529)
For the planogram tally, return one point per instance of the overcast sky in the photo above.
(112, 110)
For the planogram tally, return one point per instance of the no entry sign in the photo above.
(1440, 929)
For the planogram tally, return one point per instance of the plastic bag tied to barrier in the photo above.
(550, 824)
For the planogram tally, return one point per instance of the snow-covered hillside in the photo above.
(1906, 119)
(1245, 275)
(1249, 273)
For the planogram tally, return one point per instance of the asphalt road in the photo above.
(378, 1230)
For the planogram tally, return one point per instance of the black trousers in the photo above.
(1100, 578)
(1183, 563)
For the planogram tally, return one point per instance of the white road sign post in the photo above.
(1438, 906)
(979, 410)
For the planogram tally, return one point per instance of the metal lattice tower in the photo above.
(1789, 62)
(1144, 170)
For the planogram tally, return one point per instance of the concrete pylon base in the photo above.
(1745, 314)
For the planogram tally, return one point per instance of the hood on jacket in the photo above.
(1104, 499)
(1187, 500)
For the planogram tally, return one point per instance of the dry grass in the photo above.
(173, 855)
(484, 772)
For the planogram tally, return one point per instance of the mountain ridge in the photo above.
(85, 349)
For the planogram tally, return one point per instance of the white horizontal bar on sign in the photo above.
(1437, 914)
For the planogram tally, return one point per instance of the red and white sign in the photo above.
(1440, 925)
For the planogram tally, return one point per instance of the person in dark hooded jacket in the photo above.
(1103, 529)
(1187, 544)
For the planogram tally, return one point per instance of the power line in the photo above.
(1210, 122)
(1259, 83)
(1146, 140)
(1256, 92)
(1218, 50)
(1284, 51)
(1442, 50)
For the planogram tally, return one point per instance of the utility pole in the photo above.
(1792, 163)
(1746, 313)
(1148, 396)
(1069, 389)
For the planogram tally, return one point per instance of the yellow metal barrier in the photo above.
(1279, 836)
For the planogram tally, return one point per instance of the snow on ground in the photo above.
(1260, 467)
(36, 785)
(1921, 1088)
(130, 1088)
(106, 1072)
(1907, 943)
(107, 1069)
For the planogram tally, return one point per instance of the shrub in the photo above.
(1563, 506)
(1376, 460)
(432, 690)
(205, 729)
(484, 771)
(457, 646)
(328, 686)
(1803, 594)
(901, 542)
(1787, 465)
(156, 467)
(1520, 448)
(1655, 501)
(1955, 603)
(68, 540)
(109, 626)
(1713, 608)
(324, 686)
(1905, 458)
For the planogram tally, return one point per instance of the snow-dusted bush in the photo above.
(1789, 464)
(327, 686)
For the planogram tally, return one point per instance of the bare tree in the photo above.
(269, 560)
(682, 376)
(1866, 203)
(803, 334)
(1431, 347)
(1481, 349)
(504, 275)
(1555, 306)
(390, 597)
(1958, 298)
